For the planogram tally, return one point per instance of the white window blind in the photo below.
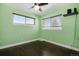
(17, 19)
(52, 23)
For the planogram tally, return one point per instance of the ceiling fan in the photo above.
(38, 6)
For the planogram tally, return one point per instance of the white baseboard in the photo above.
(11, 45)
(40, 39)
(62, 45)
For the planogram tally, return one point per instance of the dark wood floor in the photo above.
(38, 48)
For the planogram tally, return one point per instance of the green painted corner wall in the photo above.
(76, 41)
(0, 23)
(10, 33)
(65, 36)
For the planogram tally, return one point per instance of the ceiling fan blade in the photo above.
(32, 7)
(42, 4)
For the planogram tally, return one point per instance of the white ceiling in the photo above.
(27, 7)
(51, 7)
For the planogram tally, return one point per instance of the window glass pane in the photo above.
(52, 23)
(56, 21)
(29, 21)
(19, 19)
(46, 22)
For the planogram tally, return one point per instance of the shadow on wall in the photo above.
(38, 48)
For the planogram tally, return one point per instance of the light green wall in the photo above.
(76, 41)
(66, 35)
(10, 33)
(0, 22)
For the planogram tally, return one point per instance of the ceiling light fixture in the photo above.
(37, 6)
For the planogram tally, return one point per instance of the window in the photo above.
(29, 21)
(18, 19)
(21, 19)
(52, 23)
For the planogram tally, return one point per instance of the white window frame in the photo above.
(25, 23)
(50, 21)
